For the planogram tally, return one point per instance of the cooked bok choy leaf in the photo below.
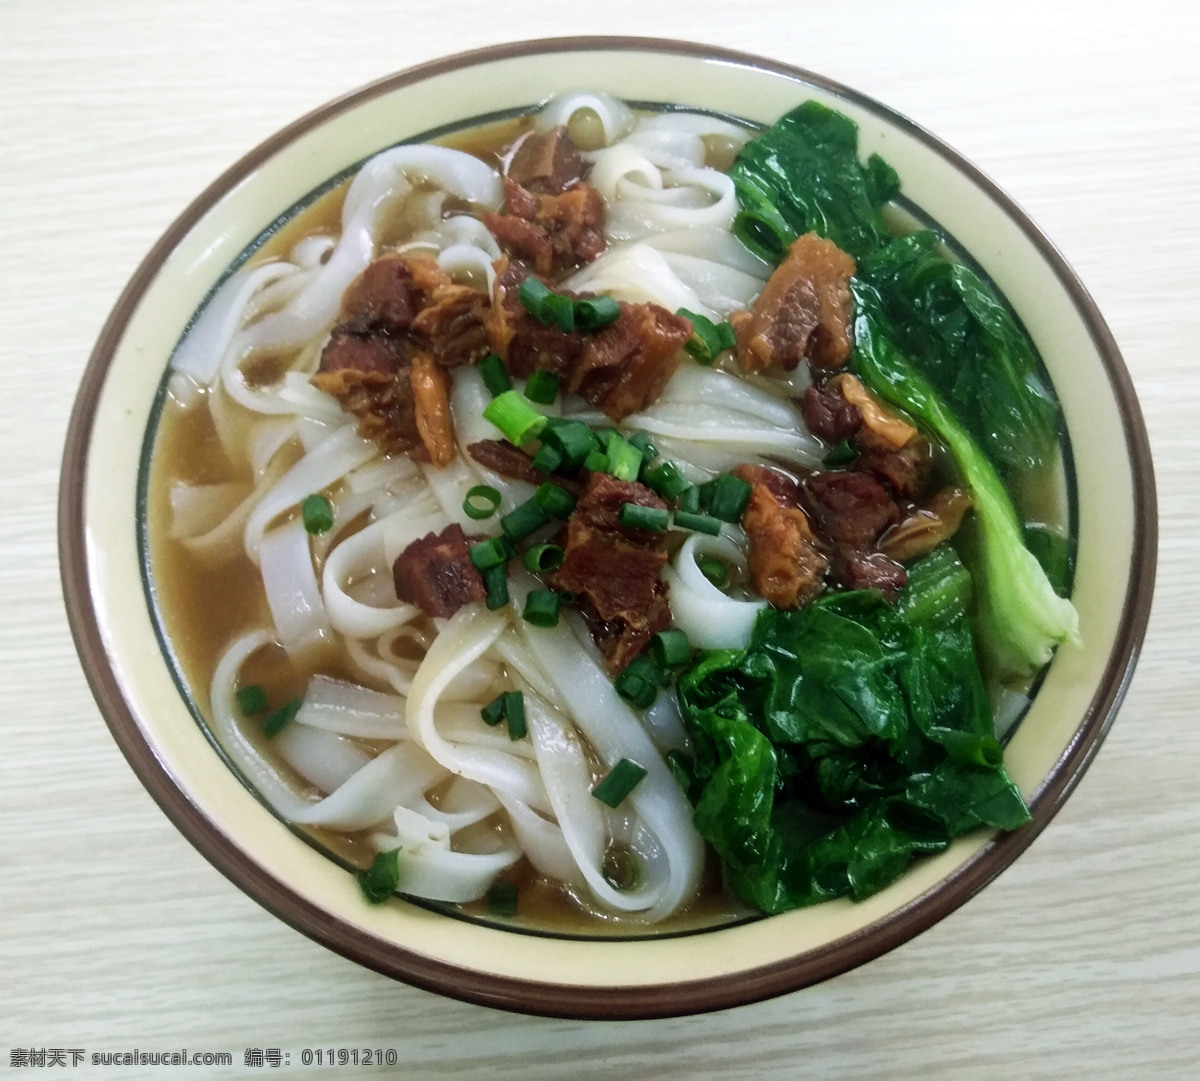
(1022, 619)
(850, 737)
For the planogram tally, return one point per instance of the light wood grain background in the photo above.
(1083, 960)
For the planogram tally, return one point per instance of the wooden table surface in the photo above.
(1082, 960)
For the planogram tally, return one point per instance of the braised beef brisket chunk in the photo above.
(348, 351)
(615, 568)
(627, 365)
(525, 344)
(786, 566)
(829, 416)
(803, 312)
(436, 574)
(384, 404)
(546, 162)
(852, 508)
(383, 298)
(552, 233)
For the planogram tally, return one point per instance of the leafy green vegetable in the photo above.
(379, 881)
(970, 348)
(1022, 618)
(849, 738)
(803, 175)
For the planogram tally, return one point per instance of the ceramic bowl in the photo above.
(110, 595)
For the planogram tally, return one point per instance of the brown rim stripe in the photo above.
(668, 999)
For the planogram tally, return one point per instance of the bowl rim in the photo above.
(571, 1000)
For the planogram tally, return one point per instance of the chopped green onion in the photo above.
(638, 683)
(379, 881)
(595, 313)
(621, 869)
(555, 501)
(708, 339)
(689, 500)
(665, 479)
(543, 558)
(502, 899)
(622, 779)
(840, 454)
(701, 523)
(495, 583)
(730, 495)
(279, 720)
(547, 307)
(642, 441)
(596, 462)
(573, 439)
(670, 649)
(547, 459)
(635, 516)
(493, 552)
(493, 712)
(713, 569)
(624, 459)
(251, 700)
(542, 387)
(481, 501)
(541, 608)
(523, 520)
(559, 310)
(515, 417)
(514, 713)
(495, 377)
(317, 513)
(532, 294)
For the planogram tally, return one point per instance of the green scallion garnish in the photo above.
(713, 569)
(493, 712)
(515, 417)
(276, 722)
(840, 454)
(624, 459)
(493, 552)
(573, 439)
(730, 495)
(502, 899)
(317, 513)
(495, 377)
(523, 520)
(544, 558)
(495, 584)
(709, 340)
(481, 501)
(252, 700)
(514, 714)
(542, 387)
(638, 683)
(642, 441)
(670, 649)
(379, 881)
(689, 499)
(541, 608)
(596, 462)
(700, 523)
(547, 459)
(622, 779)
(635, 516)
(594, 313)
(665, 479)
(555, 501)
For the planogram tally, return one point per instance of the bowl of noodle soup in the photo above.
(279, 534)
